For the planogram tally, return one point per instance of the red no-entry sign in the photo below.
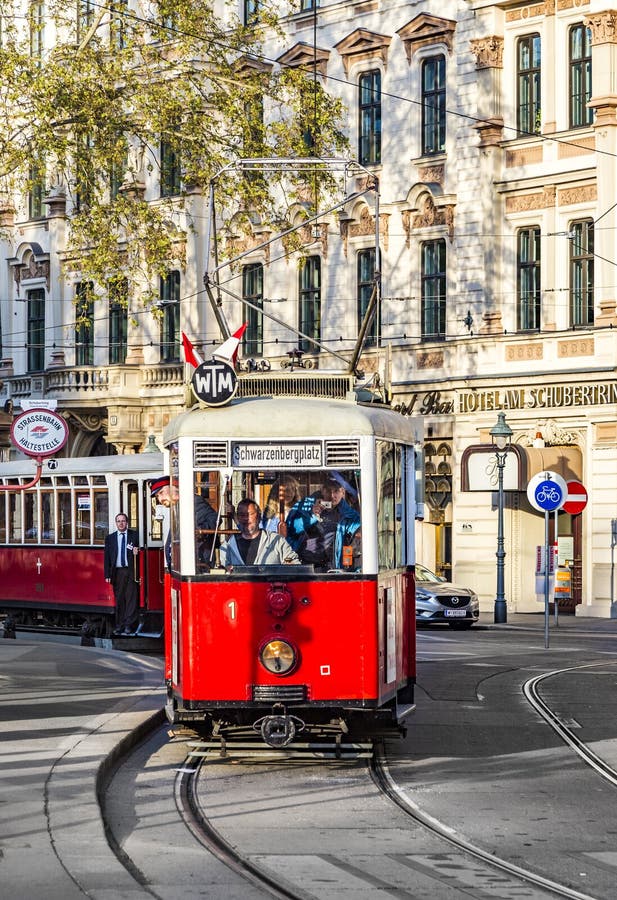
(576, 500)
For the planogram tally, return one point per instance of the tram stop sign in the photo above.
(576, 498)
(39, 432)
(547, 491)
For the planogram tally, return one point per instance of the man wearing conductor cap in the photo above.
(164, 494)
(206, 519)
(324, 523)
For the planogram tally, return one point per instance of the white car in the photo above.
(439, 601)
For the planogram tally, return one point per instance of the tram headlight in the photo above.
(278, 657)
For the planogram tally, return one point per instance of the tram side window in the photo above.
(3, 517)
(15, 519)
(386, 523)
(399, 534)
(31, 517)
(48, 522)
(64, 517)
(101, 516)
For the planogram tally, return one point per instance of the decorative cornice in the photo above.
(544, 199)
(303, 55)
(425, 30)
(362, 45)
(252, 64)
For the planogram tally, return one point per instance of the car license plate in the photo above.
(456, 613)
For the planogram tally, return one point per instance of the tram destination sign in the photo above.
(288, 454)
(214, 382)
(39, 432)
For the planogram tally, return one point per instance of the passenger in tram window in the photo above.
(121, 571)
(254, 546)
(324, 523)
(284, 494)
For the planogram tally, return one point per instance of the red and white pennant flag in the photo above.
(227, 352)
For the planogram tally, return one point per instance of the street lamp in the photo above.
(501, 436)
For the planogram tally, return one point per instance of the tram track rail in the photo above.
(385, 782)
(191, 813)
(508, 879)
(531, 690)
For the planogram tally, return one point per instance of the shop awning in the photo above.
(478, 470)
(566, 461)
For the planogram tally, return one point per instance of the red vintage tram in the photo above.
(52, 540)
(287, 648)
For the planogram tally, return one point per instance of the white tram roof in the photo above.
(285, 417)
(125, 464)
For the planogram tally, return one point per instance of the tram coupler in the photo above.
(278, 729)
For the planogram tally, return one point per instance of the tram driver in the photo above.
(254, 546)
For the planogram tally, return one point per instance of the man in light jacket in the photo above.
(253, 546)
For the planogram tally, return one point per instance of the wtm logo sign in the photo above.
(214, 383)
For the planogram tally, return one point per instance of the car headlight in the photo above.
(278, 656)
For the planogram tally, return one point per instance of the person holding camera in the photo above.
(322, 524)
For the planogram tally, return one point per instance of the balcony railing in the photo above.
(83, 384)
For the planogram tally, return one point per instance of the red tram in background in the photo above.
(293, 648)
(52, 541)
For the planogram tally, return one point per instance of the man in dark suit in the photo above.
(121, 549)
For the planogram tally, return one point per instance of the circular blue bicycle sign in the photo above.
(547, 491)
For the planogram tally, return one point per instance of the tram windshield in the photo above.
(310, 518)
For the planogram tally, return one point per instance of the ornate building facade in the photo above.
(491, 132)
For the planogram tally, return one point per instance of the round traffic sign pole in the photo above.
(576, 498)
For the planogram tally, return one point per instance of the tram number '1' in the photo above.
(232, 610)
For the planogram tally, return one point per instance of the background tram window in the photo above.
(64, 517)
(31, 517)
(385, 505)
(3, 517)
(15, 519)
(83, 515)
(48, 523)
(132, 505)
(101, 515)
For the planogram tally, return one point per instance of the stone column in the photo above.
(603, 27)
(488, 52)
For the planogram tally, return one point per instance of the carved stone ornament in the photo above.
(89, 422)
(584, 194)
(552, 435)
(30, 270)
(488, 52)
(305, 55)
(429, 216)
(241, 238)
(315, 233)
(362, 45)
(424, 31)
(528, 202)
(433, 174)
(603, 27)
